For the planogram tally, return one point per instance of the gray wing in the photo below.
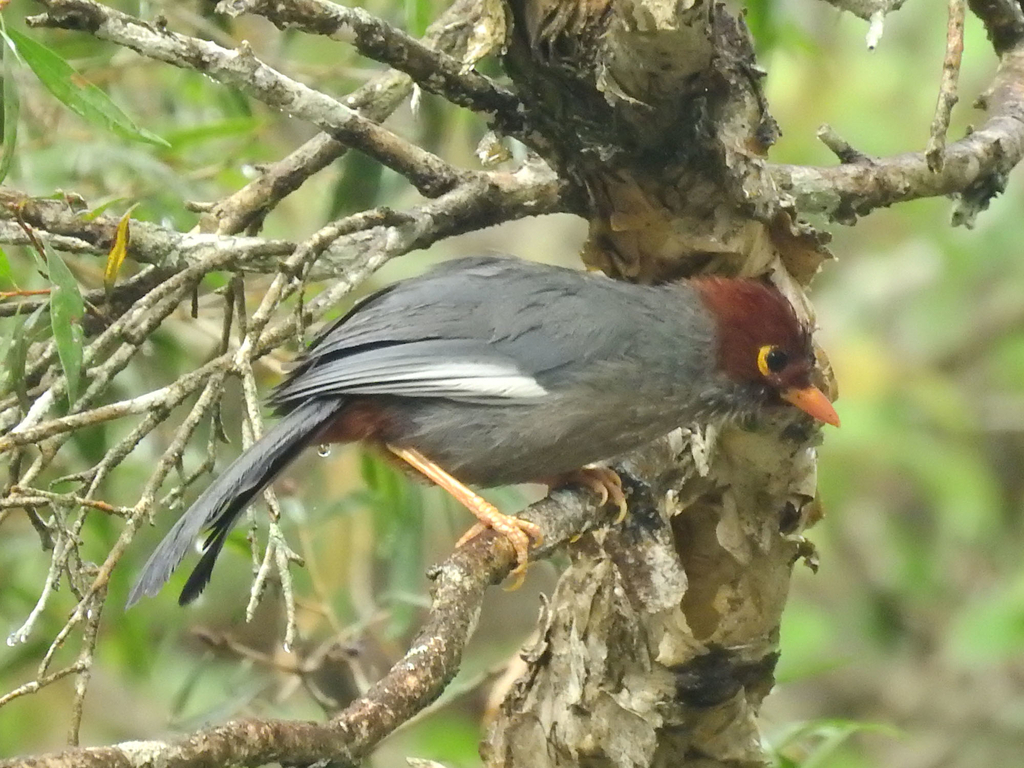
(470, 298)
(480, 330)
(457, 369)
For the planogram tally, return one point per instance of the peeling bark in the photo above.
(659, 117)
(660, 641)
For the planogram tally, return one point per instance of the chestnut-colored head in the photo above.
(761, 342)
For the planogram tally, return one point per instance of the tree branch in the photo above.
(1003, 20)
(241, 69)
(434, 71)
(150, 243)
(975, 166)
(413, 683)
(461, 31)
(947, 86)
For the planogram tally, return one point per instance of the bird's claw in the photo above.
(606, 483)
(520, 534)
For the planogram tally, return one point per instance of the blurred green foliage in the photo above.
(906, 649)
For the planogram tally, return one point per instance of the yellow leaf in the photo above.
(118, 251)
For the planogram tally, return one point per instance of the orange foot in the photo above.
(518, 532)
(603, 481)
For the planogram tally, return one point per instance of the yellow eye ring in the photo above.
(771, 359)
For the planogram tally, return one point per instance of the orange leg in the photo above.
(517, 531)
(603, 481)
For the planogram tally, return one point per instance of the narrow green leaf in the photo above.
(418, 14)
(16, 355)
(398, 511)
(8, 344)
(66, 311)
(77, 93)
(818, 740)
(831, 740)
(94, 213)
(12, 108)
(358, 187)
(39, 262)
(406, 561)
(6, 276)
(187, 136)
(191, 683)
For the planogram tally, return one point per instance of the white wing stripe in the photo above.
(417, 377)
(493, 386)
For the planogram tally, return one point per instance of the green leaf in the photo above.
(818, 740)
(16, 355)
(417, 16)
(397, 508)
(94, 213)
(6, 276)
(358, 187)
(66, 311)
(77, 93)
(406, 561)
(12, 108)
(193, 135)
(989, 629)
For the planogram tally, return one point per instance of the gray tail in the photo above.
(220, 505)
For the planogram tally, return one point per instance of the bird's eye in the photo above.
(771, 359)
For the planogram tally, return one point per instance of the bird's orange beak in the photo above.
(813, 402)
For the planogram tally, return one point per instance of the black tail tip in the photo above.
(197, 580)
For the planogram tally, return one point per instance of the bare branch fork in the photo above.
(462, 31)
(975, 167)
(434, 71)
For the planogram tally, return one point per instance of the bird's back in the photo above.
(500, 369)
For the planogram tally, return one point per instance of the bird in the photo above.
(492, 370)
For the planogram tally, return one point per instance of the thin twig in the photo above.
(35, 686)
(840, 147)
(57, 559)
(948, 85)
(19, 498)
(142, 509)
(85, 661)
(136, 405)
(67, 228)
(124, 293)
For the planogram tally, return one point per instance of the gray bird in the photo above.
(492, 371)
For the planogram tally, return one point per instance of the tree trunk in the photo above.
(660, 641)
